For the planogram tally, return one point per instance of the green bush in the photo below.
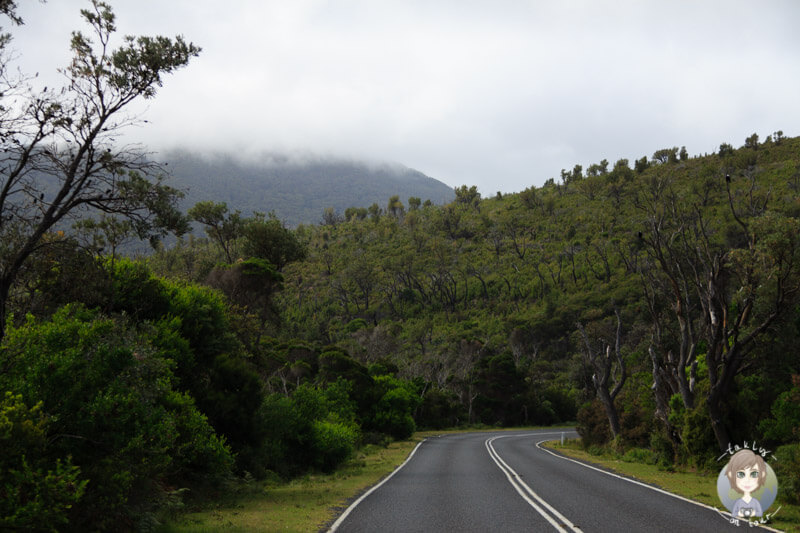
(439, 409)
(110, 403)
(37, 491)
(393, 413)
(640, 455)
(314, 428)
(785, 424)
(787, 470)
(593, 424)
(333, 443)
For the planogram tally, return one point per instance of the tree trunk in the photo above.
(720, 431)
(5, 287)
(611, 411)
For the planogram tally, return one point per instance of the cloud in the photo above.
(498, 94)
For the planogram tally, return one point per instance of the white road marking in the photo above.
(339, 521)
(519, 485)
(635, 482)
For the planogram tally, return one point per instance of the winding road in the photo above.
(505, 481)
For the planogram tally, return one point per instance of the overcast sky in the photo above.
(500, 94)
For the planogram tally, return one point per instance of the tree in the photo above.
(666, 155)
(718, 300)
(223, 229)
(58, 153)
(606, 365)
(395, 206)
(468, 196)
(267, 238)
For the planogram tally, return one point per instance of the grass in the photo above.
(697, 486)
(307, 504)
(302, 505)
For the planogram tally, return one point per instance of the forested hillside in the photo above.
(297, 188)
(655, 303)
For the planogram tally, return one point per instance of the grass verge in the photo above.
(697, 486)
(306, 504)
(302, 505)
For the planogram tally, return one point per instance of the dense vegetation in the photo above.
(657, 305)
(296, 188)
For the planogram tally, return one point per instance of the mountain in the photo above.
(297, 189)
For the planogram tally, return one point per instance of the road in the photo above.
(503, 481)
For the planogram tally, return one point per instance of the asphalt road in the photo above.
(502, 481)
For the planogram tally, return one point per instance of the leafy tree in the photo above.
(330, 217)
(598, 169)
(468, 196)
(58, 145)
(721, 300)
(725, 149)
(666, 155)
(251, 283)
(268, 238)
(223, 229)
(395, 206)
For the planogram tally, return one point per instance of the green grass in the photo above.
(306, 504)
(697, 486)
(302, 505)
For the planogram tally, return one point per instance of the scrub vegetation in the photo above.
(656, 303)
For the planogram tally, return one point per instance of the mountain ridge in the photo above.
(298, 188)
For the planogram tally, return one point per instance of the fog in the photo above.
(501, 95)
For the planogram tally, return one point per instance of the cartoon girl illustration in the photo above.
(746, 472)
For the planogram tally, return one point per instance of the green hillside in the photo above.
(484, 299)
(655, 303)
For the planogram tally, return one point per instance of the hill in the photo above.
(298, 190)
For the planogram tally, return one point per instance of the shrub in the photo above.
(112, 408)
(785, 426)
(37, 491)
(787, 470)
(332, 443)
(593, 424)
(394, 409)
(439, 409)
(640, 455)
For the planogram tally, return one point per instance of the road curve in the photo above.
(503, 481)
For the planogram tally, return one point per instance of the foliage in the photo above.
(787, 470)
(112, 408)
(59, 151)
(393, 412)
(37, 493)
(267, 238)
(592, 425)
(785, 426)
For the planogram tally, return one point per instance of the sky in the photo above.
(501, 94)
